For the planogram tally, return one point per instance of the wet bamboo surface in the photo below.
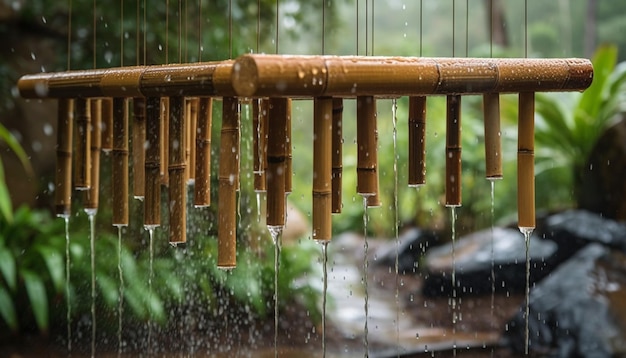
(119, 173)
(107, 124)
(63, 173)
(165, 140)
(367, 149)
(526, 161)
(337, 149)
(191, 140)
(289, 150)
(176, 168)
(228, 181)
(453, 151)
(417, 141)
(493, 141)
(139, 153)
(152, 169)
(202, 189)
(82, 149)
(322, 168)
(260, 109)
(276, 157)
(93, 193)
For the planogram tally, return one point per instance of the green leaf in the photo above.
(15, 146)
(604, 62)
(109, 289)
(38, 298)
(7, 309)
(5, 200)
(56, 266)
(7, 268)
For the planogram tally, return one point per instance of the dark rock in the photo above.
(579, 311)
(411, 246)
(573, 229)
(473, 263)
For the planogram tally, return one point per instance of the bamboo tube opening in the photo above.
(139, 151)
(493, 146)
(193, 131)
(259, 138)
(152, 201)
(337, 144)
(367, 149)
(176, 168)
(526, 161)
(453, 151)
(63, 173)
(228, 179)
(82, 151)
(276, 157)
(119, 173)
(202, 190)
(165, 140)
(107, 125)
(417, 141)
(93, 193)
(322, 168)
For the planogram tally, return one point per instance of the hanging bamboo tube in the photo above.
(276, 157)
(92, 194)
(107, 124)
(259, 128)
(367, 149)
(152, 169)
(228, 178)
(139, 151)
(202, 190)
(82, 151)
(176, 168)
(526, 161)
(337, 144)
(453, 151)
(493, 146)
(289, 149)
(193, 132)
(165, 140)
(63, 174)
(417, 141)
(322, 168)
(119, 173)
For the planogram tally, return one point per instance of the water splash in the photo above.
(120, 303)
(527, 231)
(91, 213)
(68, 302)
(365, 268)
(276, 232)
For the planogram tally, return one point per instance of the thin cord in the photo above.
(186, 31)
(69, 34)
(421, 24)
(366, 27)
(137, 33)
(357, 27)
(372, 52)
(277, 21)
(180, 31)
(525, 28)
(144, 32)
(94, 33)
(121, 33)
(490, 28)
(167, 31)
(466, 28)
(230, 29)
(323, 25)
(258, 25)
(199, 30)
(453, 25)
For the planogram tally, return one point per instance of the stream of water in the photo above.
(324, 245)
(276, 232)
(150, 229)
(527, 231)
(394, 108)
(68, 302)
(453, 302)
(120, 303)
(493, 273)
(365, 268)
(91, 213)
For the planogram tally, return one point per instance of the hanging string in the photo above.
(121, 33)
(372, 51)
(366, 27)
(137, 33)
(258, 25)
(490, 28)
(466, 28)
(453, 25)
(180, 31)
(421, 25)
(167, 30)
(230, 29)
(357, 27)
(186, 31)
(94, 33)
(199, 30)
(144, 32)
(69, 34)
(277, 21)
(525, 28)
(323, 25)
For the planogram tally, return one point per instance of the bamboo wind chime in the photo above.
(172, 107)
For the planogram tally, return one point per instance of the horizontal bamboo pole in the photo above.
(189, 79)
(202, 190)
(82, 143)
(526, 161)
(417, 141)
(152, 167)
(322, 168)
(119, 173)
(453, 151)
(276, 157)
(176, 169)
(493, 142)
(259, 139)
(93, 193)
(107, 124)
(367, 149)
(257, 75)
(337, 164)
(139, 152)
(63, 174)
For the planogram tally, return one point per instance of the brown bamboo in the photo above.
(276, 157)
(193, 132)
(187, 137)
(257, 75)
(107, 124)
(92, 194)
(165, 140)
(367, 149)
(82, 150)
(453, 151)
(176, 168)
(493, 146)
(417, 141)
(139, 151)
(119, 173)
(259, 123)
(526, 161)
(63, 174)
(337, 144)
(152, 167)
(202, 190)
(322, 168)
(228, 178)
(289, 149)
